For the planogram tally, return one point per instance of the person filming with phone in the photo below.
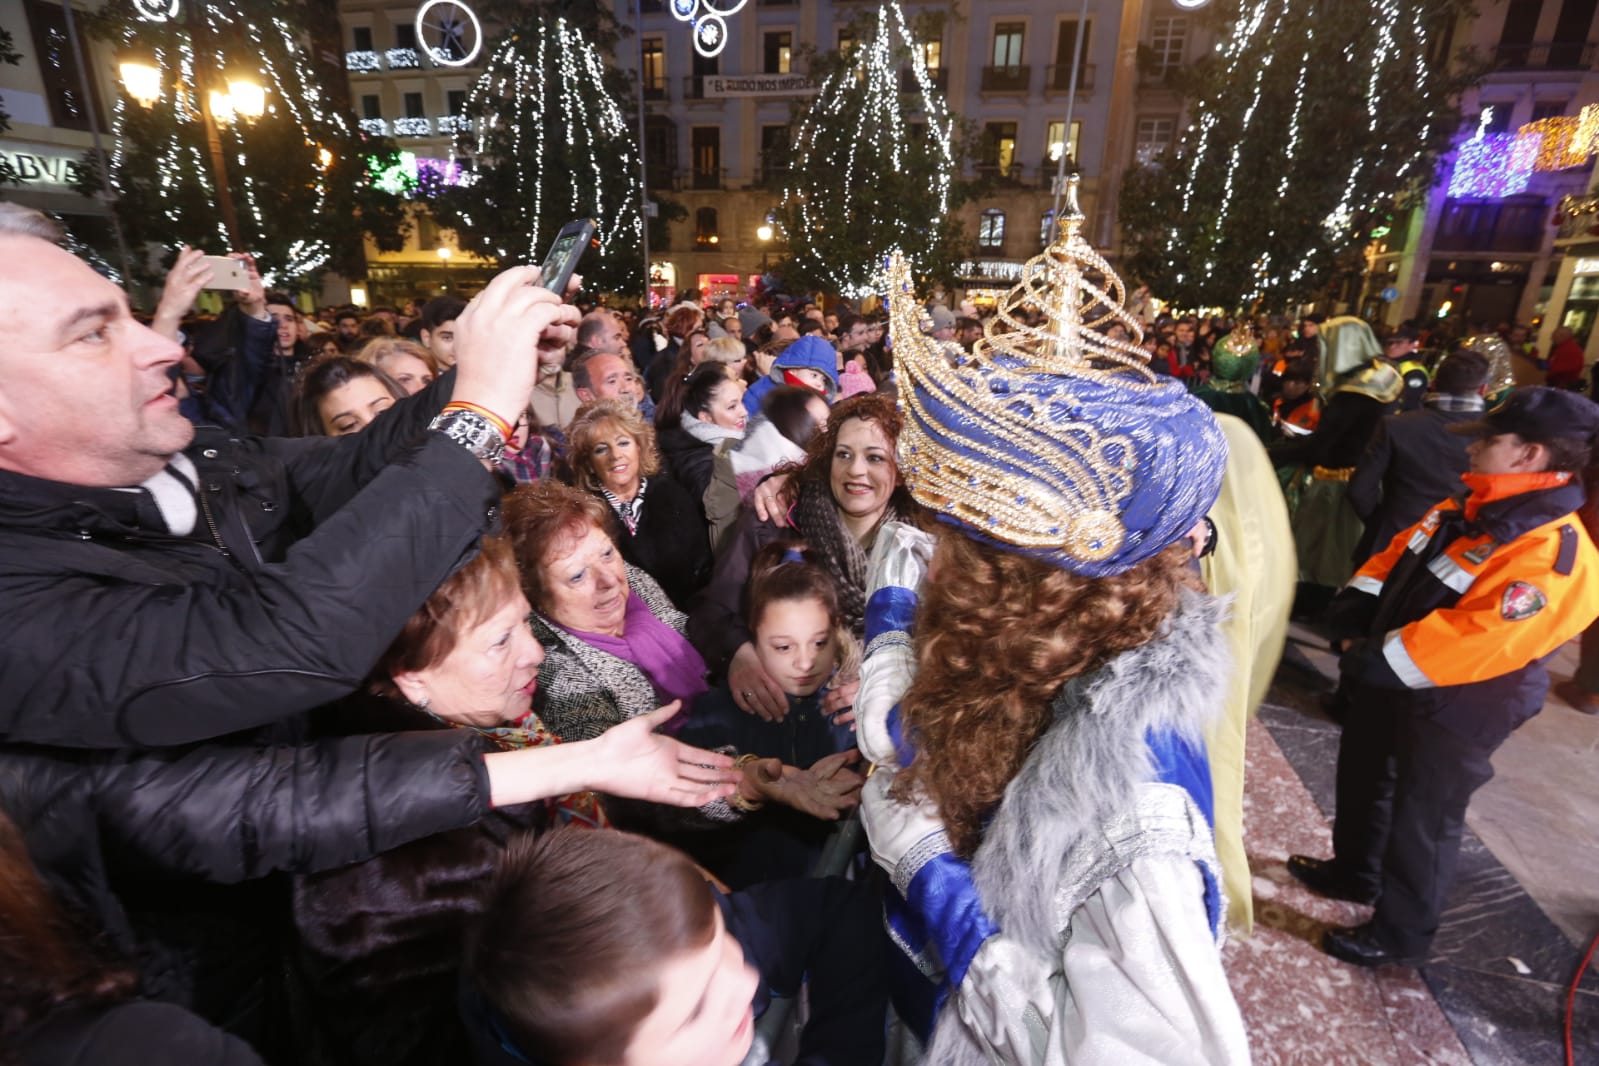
(162, 584)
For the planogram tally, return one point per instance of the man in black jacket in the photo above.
(1412, 460)
(162, 585)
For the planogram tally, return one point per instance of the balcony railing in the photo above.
(1060, 76)
(995, 172)
(694, 86)
(1014, 79)
(773, 169)
(655, 90)
(908, 83)
(374, 127)
(661, 176)
(362, 62)
(708, 179)
(402, 58)
(1547, 55)
(413, 127)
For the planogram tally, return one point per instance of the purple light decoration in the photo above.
(441, 171)
(1495, 165)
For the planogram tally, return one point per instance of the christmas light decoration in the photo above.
(1494, 165)
(551, 144)
(156, 10)
(1370, 74)
(708, 19)
(858, 124)
(278, 88)
(1561, 146)
(450, 32)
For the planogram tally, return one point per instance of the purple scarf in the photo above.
(674, 668)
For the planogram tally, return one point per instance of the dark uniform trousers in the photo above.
(1408, 764)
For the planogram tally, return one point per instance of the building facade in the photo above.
(1483, 249)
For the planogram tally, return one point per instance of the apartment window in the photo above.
(999, 146)
(1008, 38)
(706, 146)
(1055, 141)
(652, 65)
(361, 38)
(405, 35)
(706, 67)
(705, 227)
(455, 101)
(660, 150)
(1499, 119)
(413, 106)
(779, 52)
(933, 56)
(371, 106)
(58, 68)
(1066, 53)
(775, 152)
(846, 42)
(1547, 109)
(1168, 36)
(1153, 137)
(1046, 228)
(991, 230)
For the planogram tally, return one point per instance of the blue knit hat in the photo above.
(1056, 441)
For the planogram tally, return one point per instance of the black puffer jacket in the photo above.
(308, 557)
(138, 842)
(690, 460)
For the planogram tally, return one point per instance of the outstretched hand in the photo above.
(825, 791)
(753, 688)
(634, 761)
(189, 274)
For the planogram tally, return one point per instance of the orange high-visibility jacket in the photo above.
(1477, 591)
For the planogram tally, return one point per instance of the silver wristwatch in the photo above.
(471, 431)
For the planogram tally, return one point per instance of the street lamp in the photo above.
(763, 233)
(243, 97)
(444, 254)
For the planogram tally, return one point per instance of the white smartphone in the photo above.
(227, 274)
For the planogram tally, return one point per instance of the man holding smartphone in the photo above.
(161, 584)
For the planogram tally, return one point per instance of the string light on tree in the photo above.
(842, 211)
(550, 144)
(1308, 120)
(275, 126)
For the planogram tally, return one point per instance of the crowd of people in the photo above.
(505, 680)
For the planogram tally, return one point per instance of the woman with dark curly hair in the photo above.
(848, 487)
(1039, 674)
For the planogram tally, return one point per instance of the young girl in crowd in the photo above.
(802, 642)
(342, 395)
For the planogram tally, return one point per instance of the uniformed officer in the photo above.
(1443, 636)
(1399, 348)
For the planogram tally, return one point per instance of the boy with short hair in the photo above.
(602, 948)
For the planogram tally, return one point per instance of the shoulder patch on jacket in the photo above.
(1521, 601)
(1479, 555)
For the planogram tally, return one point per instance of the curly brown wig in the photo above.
(997, 636)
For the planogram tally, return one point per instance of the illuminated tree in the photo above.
(1312, 122)
(876, 169)
(299, 174)
(551, 144)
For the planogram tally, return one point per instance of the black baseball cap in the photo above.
(1403, 332)
(1538, 414)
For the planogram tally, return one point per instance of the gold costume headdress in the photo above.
(1054, 439)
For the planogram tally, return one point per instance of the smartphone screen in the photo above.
(560, 251)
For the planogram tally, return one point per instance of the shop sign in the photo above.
(36, 165)
(1587, 265)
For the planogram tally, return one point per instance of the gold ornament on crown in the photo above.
(1008, 464)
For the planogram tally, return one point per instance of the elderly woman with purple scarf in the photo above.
(614, 649)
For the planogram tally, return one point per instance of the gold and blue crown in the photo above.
(1053, 437)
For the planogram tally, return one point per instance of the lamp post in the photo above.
(763, 233)
(239, 95)
(444, 254)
